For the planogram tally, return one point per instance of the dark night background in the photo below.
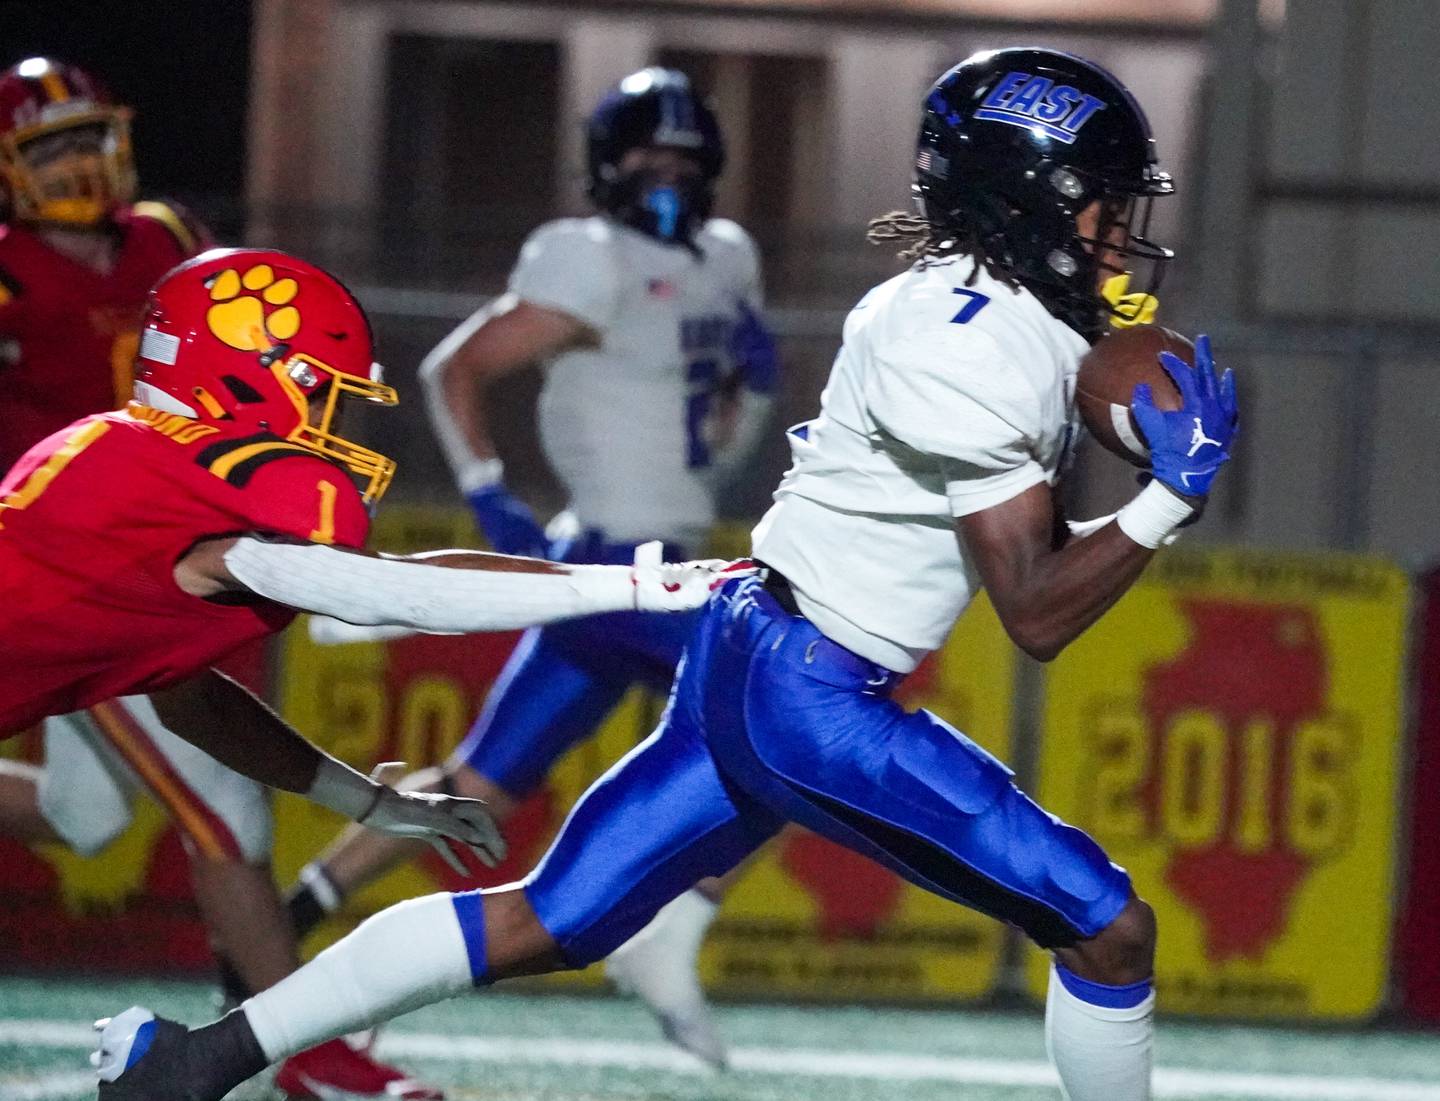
(183, 67)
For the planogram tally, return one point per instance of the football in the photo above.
(1107, 379)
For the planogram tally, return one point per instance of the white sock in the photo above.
(407, 956)
(1101, 1054)
(682, 923)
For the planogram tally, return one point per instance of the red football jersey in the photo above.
(68, 334)
(92, 521)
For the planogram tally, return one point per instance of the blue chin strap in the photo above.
(668, 208)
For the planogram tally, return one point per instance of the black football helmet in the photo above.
(654, 107)
(1013, 145)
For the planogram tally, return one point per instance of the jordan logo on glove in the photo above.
(1208, 415)
(1198, 439)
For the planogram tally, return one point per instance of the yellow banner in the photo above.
(1230, 733)
(806, 918)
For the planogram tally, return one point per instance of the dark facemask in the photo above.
(668, 210)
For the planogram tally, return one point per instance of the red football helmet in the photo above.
(64, 146)
(258, 339)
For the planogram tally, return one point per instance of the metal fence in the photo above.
(1328, 459)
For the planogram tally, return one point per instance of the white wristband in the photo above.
(343, 790)
(1153, 518)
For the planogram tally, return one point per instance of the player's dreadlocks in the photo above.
(923, 240)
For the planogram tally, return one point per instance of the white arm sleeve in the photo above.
(364, 590)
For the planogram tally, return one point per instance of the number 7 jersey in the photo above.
(92, 522)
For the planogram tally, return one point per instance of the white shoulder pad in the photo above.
(570, 265)
(726, 232)
(726, 243)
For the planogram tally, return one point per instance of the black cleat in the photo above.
(142, 1057)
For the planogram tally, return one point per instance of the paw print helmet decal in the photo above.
(261, 340)
(64, 145)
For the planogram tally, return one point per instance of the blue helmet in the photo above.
(654, 108)
(1013, 145)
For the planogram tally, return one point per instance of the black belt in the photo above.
(778, 586)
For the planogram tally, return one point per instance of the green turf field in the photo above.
(508, 1047)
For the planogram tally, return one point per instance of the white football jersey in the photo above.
(950, 395)
(624, 423)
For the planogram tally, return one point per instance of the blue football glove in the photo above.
(507, 522)
(753, 347)
(1190, 445)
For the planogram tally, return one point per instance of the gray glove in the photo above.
(442, 820)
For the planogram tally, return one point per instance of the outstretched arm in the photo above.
(220, 717)
(443, 591)
(213, 713)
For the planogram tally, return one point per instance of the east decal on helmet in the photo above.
(64, 145)
(251, 338)
(654, 108)
(1013, 144)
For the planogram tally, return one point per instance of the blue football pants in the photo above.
(771, 722)
(561, 681)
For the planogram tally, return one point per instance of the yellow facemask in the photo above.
(75, 188)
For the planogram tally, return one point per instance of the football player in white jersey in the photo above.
(930, 471)
(646, 318)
